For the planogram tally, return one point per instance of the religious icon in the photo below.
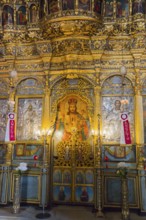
(21, 16)
(7, 15)
(74, 120)
(120, 151)
(31, 150)
(113, 117)
(109, 8)
(84, 194)
(33, 14)
(29, 118)
(112, 110)
(19, 150)
(57, 176)
(3, 118)
(79, 177)
(84, 4)
(66, 176)
(84, 197)
(62, 193)
(97, 6)
(67, 4)
(138, 6)
(53, 6)
(122, 8)
(89, 177)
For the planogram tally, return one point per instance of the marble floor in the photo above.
(62, 213)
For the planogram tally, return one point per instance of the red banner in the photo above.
(127, 132)
(125, 129)
(10, 129)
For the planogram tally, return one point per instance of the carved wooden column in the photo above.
(98, 171)
(46, 109)
(139, 126)
(97, 109)
(27, 12)
(76, 6)
(46, 142)
(46, 123)
(11, 104)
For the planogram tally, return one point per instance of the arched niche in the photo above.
(29, 86)
(7, 15)
(21, 16)
(122, 9)
(33, 13)
(138, 7)
(98, 6)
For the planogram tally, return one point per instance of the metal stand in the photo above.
(99, 212)
(125, 205)
(43, 215)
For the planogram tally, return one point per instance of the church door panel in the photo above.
(73, 173)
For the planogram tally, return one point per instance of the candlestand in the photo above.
(44, 135)
(99, 212)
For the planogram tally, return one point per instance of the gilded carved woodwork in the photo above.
(70, 56)
(79, 153)
(75, 44)
(79, 46)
